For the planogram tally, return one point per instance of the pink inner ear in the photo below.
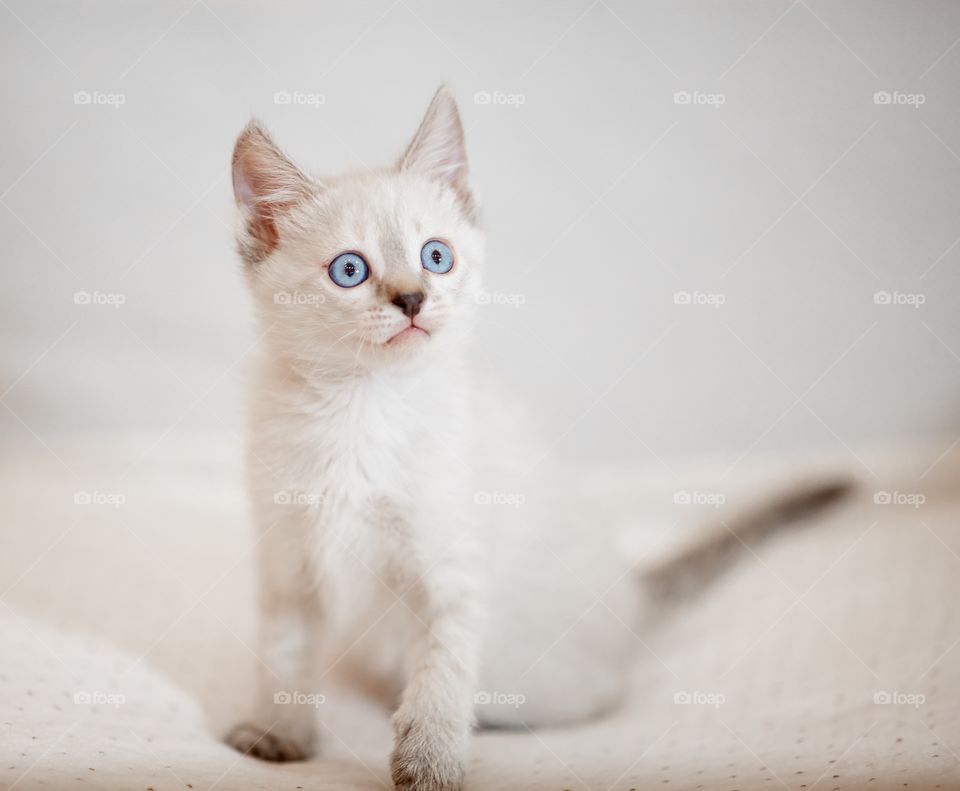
(266, 184)
(251, 189)
(242, 189)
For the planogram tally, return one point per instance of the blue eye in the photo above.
(436, 257)
(348, 270)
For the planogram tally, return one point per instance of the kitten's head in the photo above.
(368, 269)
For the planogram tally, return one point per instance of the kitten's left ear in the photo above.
(437, 149)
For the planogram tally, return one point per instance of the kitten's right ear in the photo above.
(266, 185)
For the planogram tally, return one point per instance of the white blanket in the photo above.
(828, 660)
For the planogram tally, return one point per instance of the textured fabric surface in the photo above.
(829, 659)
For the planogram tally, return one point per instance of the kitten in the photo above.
(372, 452)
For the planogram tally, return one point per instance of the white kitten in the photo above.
(369, 444)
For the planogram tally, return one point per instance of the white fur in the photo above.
(382, 562)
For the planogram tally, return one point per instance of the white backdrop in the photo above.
(738, 152)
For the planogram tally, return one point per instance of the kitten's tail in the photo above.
(690, 569)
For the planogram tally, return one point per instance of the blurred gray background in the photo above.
(790, 169)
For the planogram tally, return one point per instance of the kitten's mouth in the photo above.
(408, 334)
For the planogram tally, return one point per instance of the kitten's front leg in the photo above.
(433, 723)
(282, 725)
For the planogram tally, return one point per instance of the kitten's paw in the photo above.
(422, 762)
(268, 744)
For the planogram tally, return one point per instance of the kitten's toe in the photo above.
(267, 744)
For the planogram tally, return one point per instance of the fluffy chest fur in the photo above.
(374, 466)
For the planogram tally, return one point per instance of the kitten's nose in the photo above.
(410, 303)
